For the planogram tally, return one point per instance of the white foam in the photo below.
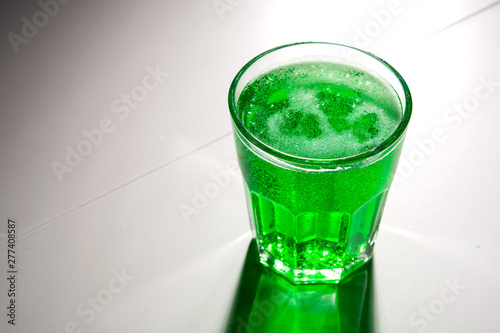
(331, 143)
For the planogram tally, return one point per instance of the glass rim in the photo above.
(383, 146)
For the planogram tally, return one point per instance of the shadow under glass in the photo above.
(266, 302)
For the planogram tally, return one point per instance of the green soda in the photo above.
(316, 217)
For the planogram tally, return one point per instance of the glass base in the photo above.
(309, 276)
(315, 247)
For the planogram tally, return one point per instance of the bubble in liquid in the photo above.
(296, 123)
(319, 109)
(278, 100)
(366, 127)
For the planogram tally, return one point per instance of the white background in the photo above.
(119, 209)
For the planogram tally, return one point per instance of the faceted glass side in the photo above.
(315, 246)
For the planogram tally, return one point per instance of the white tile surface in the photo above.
(120, 208)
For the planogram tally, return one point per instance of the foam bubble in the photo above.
(320, 109)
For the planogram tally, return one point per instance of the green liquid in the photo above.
(315, 225)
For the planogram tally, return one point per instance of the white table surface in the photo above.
(109, 227)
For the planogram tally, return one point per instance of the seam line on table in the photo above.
(463, 19)
(89, 202)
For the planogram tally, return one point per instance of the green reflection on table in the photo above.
(265, 302)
